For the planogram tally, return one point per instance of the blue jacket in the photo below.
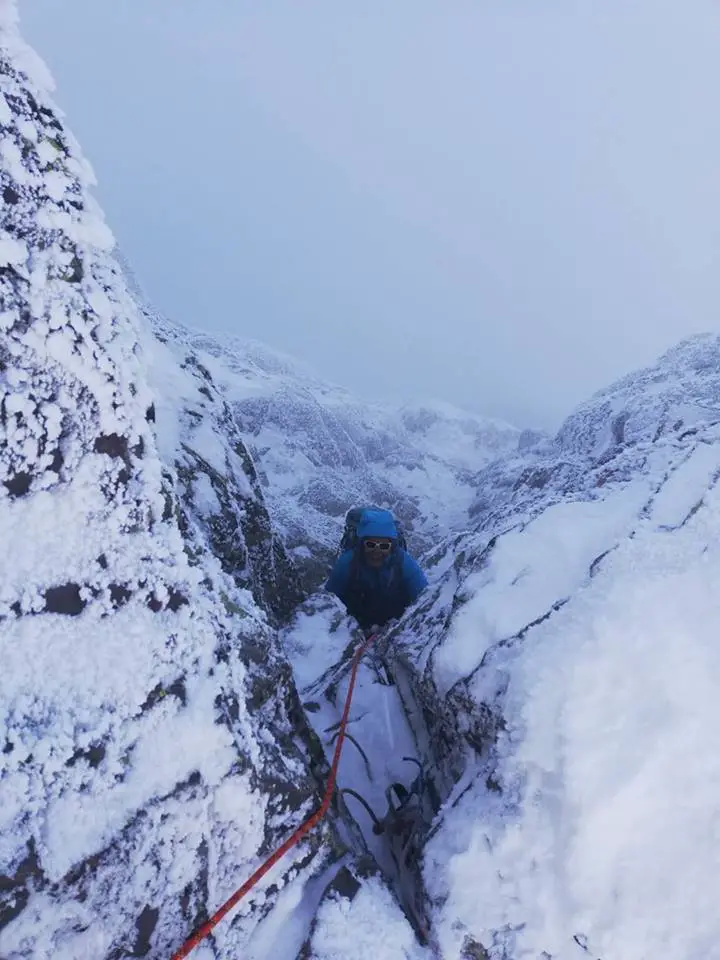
(376, 596)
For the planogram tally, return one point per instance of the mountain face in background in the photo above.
(171, 677)
(320, 451)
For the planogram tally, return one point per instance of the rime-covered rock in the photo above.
(152, 745)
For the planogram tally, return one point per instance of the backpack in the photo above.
(352, 519)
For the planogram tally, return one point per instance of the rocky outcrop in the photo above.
(152, 746)
(218, 481)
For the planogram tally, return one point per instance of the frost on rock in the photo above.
(147, 763)
(217, 476)
(565, 660)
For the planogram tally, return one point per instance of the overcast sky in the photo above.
(501, 203)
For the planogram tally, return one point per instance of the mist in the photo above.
(502, 205)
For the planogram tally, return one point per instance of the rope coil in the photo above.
(206, 929)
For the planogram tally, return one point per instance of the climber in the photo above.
(375, 576)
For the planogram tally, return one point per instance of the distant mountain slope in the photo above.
(319, 450)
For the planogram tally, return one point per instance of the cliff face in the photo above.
(152, 750)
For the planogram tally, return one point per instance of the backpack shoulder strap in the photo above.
(354, 575)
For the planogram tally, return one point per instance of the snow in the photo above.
(686, 486)
(313, 646)
(5, 114)
(457, 436)
(12, 251)
(583, 618)
(204, 496)
(608, 828)
(532, 568)
(181, 411)
(73, 555)
(78, 826)
(368, 926)
(282, 934)
(320, 647)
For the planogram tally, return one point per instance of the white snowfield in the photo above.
(577, 604)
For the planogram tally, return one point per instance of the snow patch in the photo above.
(531, 569)
(371, 925)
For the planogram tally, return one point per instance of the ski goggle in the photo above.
(384, 547)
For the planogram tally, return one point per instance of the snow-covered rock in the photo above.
(567, 666)
(152, 749)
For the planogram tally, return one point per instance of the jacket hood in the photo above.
(377, 523)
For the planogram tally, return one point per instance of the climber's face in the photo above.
(377, 550)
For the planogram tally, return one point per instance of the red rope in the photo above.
(206, 929)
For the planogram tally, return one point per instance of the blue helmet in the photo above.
(377, 523)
